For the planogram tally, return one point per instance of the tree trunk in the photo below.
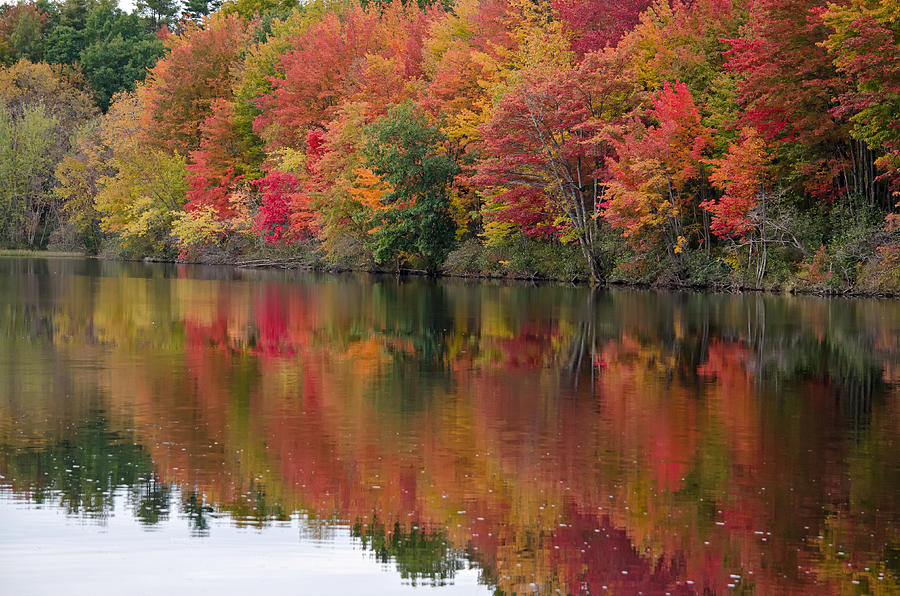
(598, 275)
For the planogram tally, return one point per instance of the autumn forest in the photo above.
(717, 143)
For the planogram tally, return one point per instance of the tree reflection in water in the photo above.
(556, 437)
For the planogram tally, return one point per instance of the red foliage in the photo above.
(654, 166)
(788, 85)
(286, 213)
(277, 191)
(545, 145)
(315, 147)
(788, 79)
(183, 88)
(742, 175)
(595, 24)
(212, 175)
(679, 137)
(816, 271)
(338, 58)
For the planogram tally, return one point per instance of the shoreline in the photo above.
(287, 265)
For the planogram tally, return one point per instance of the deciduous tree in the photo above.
(21, 28)
(41, 105)
(408, 155)
(182, 88)
(545, 150)
(26, 170)
(596, 24)
(741, 175)
(787, 86)
(145, 188)
(865, 44)
(657, 173)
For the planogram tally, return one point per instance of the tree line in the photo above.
(713, 142)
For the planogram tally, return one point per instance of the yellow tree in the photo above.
(145, 188)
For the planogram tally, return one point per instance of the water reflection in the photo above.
(557, 438)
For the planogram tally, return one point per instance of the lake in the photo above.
(177, 427)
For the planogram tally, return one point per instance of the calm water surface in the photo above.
(178, 427)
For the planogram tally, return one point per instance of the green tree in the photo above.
(21, 29)
(158, 13)
(117, 53)
(26, 170)
(409, 155)
(74, 12)
(40, 104)
(112, 47)
(197, 9)
(63, 44)
(64, 34)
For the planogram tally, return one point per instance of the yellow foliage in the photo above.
(497, 231)
(143, 189)
(58, 89)
(198, 227)
(292, 161)
(641, 210)
(77, 176)
(540, 40)
(568, 231)
(731, 261)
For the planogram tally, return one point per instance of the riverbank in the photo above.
(40, 253)
(310, 263)
(526, 259)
